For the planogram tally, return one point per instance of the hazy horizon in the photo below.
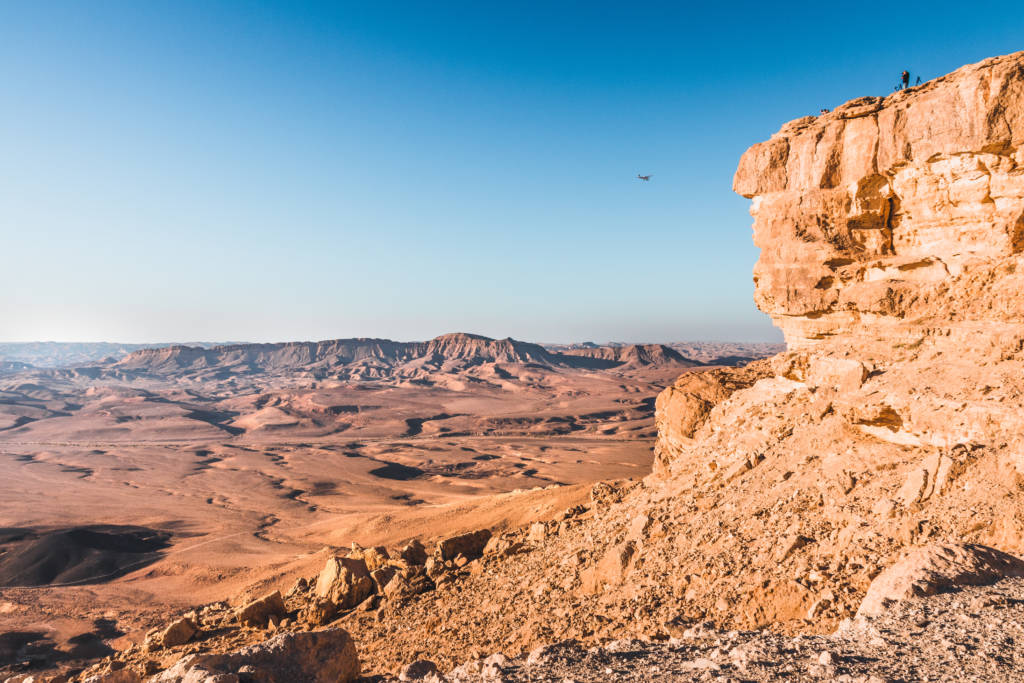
(222, 170)
(411, 340)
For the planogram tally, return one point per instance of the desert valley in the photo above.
(848, 506)
(194, 473)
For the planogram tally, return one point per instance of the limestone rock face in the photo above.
(896, 219)
(892, 257)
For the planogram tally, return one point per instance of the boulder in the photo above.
(178, 633)
(408, 582)
(312, 657)
(318, 612)
(419, 670)
(471, 545)
(300, 586)
(927, 480)
(938, 568)
(610, 570)
(374, 558)
(382, 577)
(413, 553)
(538, 532)
(258, 612)
(838, 374)
(503, 545)
(345, 581)
(433, 567)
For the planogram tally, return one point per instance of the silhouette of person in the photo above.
(905, 76)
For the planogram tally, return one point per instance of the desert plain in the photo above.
(160, 478)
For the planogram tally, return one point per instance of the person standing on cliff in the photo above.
(906, 79)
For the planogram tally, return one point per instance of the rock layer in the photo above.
(896, 219)
(891, 234)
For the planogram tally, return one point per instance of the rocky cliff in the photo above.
(899, 220)
(891, 257)
(891, 232)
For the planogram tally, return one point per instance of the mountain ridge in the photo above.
(359, 357)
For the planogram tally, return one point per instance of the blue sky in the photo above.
(275, 171)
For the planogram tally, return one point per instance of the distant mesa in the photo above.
(361, 359)
(635, 355)
(473, 357)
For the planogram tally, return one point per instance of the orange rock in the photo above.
(259, 611)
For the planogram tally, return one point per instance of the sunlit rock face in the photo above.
(892, 222)
(891, 233)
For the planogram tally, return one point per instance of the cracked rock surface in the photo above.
(974, 634)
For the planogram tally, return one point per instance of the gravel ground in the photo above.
(975, 634)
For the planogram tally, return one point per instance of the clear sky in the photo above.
(273, 171)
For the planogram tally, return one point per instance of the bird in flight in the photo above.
(645, 178)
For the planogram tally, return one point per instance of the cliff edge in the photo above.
(892, 221)
(891, 233)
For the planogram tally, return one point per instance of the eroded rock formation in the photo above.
(892, 221)
(891, 257)
(891, 233)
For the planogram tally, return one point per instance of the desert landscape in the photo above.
(845, 506)
(189, 473)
